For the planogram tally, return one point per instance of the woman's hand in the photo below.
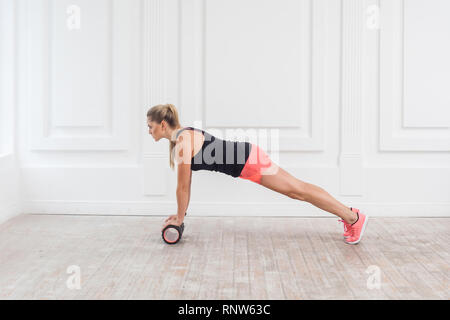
(173, 220)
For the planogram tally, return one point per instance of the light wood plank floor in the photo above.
(223, 258)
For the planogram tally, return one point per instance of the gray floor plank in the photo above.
(263, 258)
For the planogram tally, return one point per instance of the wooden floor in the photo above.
(223, 258)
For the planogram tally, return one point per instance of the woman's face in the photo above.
(154, 129)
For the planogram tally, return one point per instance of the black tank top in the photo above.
(228, 157)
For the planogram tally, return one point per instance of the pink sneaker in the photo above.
(346, 228)
(357, 229)
(347, 233)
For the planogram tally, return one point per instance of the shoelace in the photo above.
(347, 227)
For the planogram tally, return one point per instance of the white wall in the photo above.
(349, 118)
(10, 196)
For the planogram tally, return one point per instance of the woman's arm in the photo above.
(190, 184)
(189, 197)
(184, 175)
(183, 189)
(183, 202)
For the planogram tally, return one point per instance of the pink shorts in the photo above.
(257, 161)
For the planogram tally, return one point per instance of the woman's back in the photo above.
(215, 154)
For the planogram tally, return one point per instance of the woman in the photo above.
(195, 149)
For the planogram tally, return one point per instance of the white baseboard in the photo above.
(10, 193)
(9, 211)
(270, 209)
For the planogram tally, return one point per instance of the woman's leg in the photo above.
(281, 181)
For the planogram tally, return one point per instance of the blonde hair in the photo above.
(168, 113)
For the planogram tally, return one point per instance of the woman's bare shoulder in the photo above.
(185, 141)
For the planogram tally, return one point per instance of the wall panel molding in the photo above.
(351, 158)
(8, 76)
(112, 136)
(394, 134)
(194, 85)
(160, 55)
